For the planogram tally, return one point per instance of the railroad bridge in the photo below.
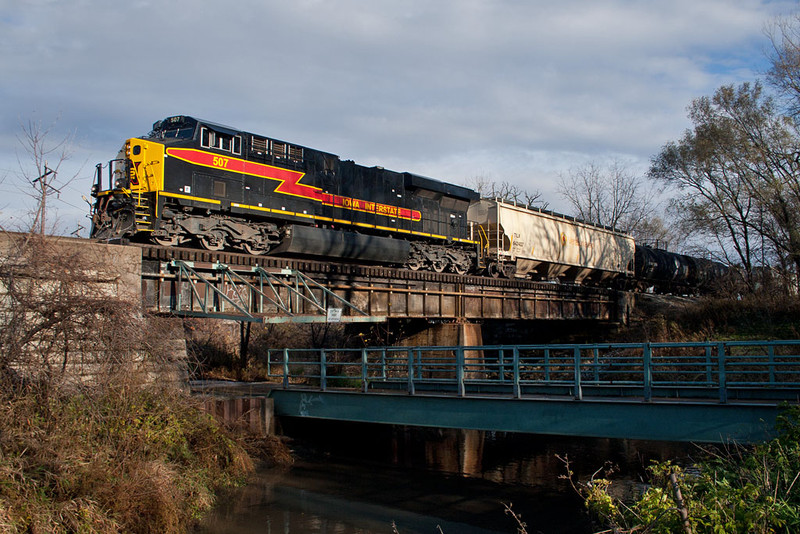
(267, 289)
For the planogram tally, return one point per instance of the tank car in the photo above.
(523, 242)
(191, 180)
(667, 271)
(660, 268)
(703, 273)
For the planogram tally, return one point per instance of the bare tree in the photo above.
(507, 191)
(68, 315)
(46, 157)
(611, 195)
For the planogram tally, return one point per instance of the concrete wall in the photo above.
(446, 335)
(49, 290)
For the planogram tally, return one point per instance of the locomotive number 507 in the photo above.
(220, 162)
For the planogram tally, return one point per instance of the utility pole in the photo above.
(44, 183)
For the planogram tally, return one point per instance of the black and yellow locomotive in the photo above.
(196, 181)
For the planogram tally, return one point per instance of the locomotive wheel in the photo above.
(166, 241)
(459, 268)
(414, 264)
(214, 242)
(254, 250)
(439, 265)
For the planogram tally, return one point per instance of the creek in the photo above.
(363, 479)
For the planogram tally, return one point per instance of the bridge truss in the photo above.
(254, 294)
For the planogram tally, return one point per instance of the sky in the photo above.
(507, 90)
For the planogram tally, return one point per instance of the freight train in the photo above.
(193, 181)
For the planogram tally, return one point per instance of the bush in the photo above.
(738, 489)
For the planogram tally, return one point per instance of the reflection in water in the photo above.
(334, 499)
(358, 478)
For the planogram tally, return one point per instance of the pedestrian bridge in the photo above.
(701, 392)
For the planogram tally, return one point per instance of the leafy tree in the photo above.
(747, 490)
(737, 170)
(784, 54)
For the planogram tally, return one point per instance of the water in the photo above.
(362, 479)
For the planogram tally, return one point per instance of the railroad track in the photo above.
(199, 256)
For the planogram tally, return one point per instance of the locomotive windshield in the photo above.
(174, 128)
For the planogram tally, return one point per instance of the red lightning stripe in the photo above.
(289, 182)
(289, 179)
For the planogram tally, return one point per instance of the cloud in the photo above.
(449, 88)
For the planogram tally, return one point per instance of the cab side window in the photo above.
(219, 140)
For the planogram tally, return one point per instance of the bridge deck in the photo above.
(711, 392)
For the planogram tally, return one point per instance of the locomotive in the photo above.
(198, 181)
(194, 181)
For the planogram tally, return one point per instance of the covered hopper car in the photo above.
(518, 241)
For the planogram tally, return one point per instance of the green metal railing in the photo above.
(717, 371)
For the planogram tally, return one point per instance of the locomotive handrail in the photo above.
(711, 371)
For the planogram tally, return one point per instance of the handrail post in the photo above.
(323, 371)
(364, 370)
(723, 379)
(647, 369)
(578, 390)
(460, 371)
(285, 368)
(502, 368)
(547, 366)
(517, 390)
(771, 360)
(410, 358)
(709, 379)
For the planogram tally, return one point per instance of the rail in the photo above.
(723, 371)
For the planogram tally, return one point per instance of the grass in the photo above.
(134, 460)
